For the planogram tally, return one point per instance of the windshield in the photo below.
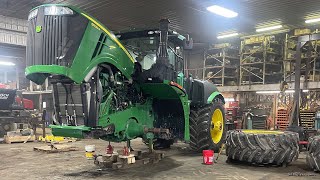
(144, 51)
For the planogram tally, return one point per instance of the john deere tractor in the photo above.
(119, 87)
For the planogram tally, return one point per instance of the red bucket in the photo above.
(208, 156)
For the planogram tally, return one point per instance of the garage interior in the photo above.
(179, 89)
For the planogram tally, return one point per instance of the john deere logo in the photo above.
(38, 29)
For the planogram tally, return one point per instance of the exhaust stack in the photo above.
(162, 56)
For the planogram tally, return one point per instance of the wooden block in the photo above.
(126, 159)
(138, 154)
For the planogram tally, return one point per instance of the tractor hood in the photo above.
(65, 41)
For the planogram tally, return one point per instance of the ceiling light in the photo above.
(227, 35)
(222, 11)
(6, 63)
(277, 92)
(312, 20)
(268, 92)
(269, 28)
(229, 99)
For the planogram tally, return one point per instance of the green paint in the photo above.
(38, 29)
(69, 131)
(212, 96)
(82, 62)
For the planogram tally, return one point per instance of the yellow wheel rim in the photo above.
(216, 129)
(258, 131)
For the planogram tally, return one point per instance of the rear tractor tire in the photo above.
(207, 127)
(313, 153)
(262, 147)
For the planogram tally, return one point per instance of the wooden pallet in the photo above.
(19, 139)
(55, 148)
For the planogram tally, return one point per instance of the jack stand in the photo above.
(129, 145)
(109, 149)
(151, 146)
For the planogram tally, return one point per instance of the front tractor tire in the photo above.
(207, 127)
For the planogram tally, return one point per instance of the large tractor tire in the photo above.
(207, 127)
(262, 146)
(313, 154)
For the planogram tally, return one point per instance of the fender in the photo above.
(214, 95)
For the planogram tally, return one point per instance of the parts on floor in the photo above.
(313, 154)
(262, 147)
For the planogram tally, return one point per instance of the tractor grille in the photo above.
(58, 40)
(52, 41)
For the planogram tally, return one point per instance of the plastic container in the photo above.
(90, 150)
(208, 156)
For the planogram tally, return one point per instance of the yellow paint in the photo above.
(110, 35)
(51, 138)
(89, 155)
(217, 124)
(257, 131)
(95, 26)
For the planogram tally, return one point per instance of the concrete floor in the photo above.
(19, 161)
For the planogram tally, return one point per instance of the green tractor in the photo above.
(119, 87)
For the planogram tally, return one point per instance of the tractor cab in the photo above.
(157, 52)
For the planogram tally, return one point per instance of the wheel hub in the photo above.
(216, 130)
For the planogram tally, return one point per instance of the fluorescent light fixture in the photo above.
(268, 92)
(4, 63)
(229, 99)
(289, 91)
(227, 35)
(222, 11)
(269, 28)
(277, 92)
(312, 20)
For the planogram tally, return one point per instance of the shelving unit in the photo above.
(221, 64)
(310, 65)
(260, 60)
(307, 119)
(282, 119)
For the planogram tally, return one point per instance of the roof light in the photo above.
(4, 63)
(227, 35)
(312, 20)
(222, 11)
(269, 28)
